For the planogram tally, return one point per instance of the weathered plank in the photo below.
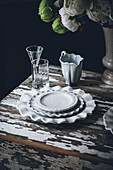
(17, 156)
(87, 136)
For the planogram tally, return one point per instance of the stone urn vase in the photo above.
(107, 61)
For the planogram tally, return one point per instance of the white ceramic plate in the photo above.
(26, 110)
(79, 106)
(108, 120)
(56, 101)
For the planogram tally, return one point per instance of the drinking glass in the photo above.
(40, 73)
(34, 52)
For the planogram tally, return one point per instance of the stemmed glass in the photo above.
(34, 53)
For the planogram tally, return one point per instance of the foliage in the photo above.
(70, 15)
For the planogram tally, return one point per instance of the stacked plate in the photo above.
(56, 105)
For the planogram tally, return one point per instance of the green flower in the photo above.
(46, 11)
(58, 26)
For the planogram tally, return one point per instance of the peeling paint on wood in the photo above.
(84, 136)
(16, 156)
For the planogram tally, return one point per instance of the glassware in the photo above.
(40, 73)
(34, 53)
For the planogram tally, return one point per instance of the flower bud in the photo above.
(45, 11)
(58, 26)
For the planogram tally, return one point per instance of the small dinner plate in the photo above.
(74, 110)
(56, 101)
(26, 110)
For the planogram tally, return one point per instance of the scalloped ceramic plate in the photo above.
(56, 101)
(77, 107)
(108, 120)
(26, 110)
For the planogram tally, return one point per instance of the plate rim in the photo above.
(56, 114)
(44, 108)
(27, 111)
(106, 121)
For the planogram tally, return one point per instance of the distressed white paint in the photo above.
(18, 119)
(91, 74)
(105, 86)
(75, 163)
(15, 123)
(80, 135)
(104, 102)
(48, 162)
(55, 68)
(104, 106)
(47, 137)
(55, 75)
(10, 102)
(94, 127)
(110, 147)
(18, 130)
(89, 143)
(81, 149)
(53, 79)
(23, 86)
(75, 136)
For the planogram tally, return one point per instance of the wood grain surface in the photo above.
(83, 144)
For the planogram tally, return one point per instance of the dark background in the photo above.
(20, 26)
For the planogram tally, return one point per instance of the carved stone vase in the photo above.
(107, 76)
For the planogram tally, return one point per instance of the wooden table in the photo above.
(85, 144)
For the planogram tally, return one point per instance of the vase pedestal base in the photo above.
(107, 77)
